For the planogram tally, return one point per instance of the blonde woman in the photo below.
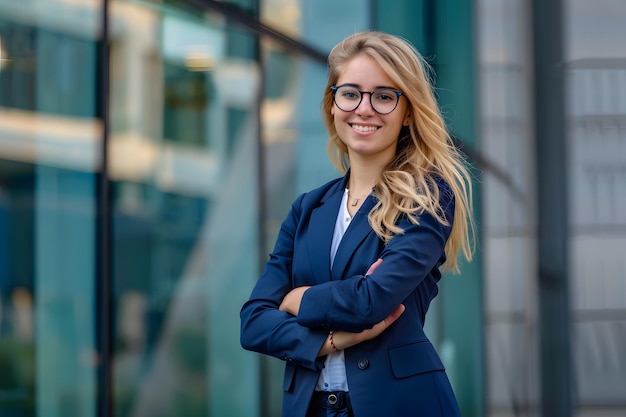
(344, 295)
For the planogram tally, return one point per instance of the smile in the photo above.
(362, 128)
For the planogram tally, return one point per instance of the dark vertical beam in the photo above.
(104, 283)
(552, 208)
(266, 388)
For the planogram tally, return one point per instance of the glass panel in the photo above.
(184, 163)
(508, 238)
(294, 135)
(294, 144)
(320, 23)
(596, 112)
(49, 142)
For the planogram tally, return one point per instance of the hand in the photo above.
(373, 267)
(380, 327)
(344, 340)
(291, 302)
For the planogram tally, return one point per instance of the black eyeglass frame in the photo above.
(334, 89)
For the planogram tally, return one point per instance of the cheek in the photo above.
(339, 128)
(396, 128)
(336, 122)
(399, 121)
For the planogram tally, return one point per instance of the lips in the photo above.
(364, 128)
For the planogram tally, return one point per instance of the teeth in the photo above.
(364, 128)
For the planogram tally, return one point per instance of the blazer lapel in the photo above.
(321, 229)
(357, 231)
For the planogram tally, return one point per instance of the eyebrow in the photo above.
(375, 88)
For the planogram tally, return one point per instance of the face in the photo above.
(366, 133)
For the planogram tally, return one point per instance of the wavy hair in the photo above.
(425, 149)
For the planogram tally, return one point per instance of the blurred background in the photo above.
(149, 150)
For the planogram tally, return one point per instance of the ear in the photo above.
(407, 120)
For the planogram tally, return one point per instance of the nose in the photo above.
(365, 106)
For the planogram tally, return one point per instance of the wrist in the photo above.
(332, 342)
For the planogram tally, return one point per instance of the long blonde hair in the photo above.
(425, 149)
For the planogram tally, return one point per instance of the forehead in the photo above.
(365, 72)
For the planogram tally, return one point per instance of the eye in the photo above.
(385, 96)
(349, 94)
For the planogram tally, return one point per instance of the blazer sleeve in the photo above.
(264, 328)
(359, 302)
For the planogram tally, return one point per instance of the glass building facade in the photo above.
(594, 130)
(149, 150)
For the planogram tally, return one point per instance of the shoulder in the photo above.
(318, 195)
(446, 193)
(446, 197)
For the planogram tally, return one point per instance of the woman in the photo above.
(356, 264)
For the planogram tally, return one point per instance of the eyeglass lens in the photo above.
(383, 100)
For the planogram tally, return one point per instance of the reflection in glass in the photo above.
(183, 160)
(49, 139)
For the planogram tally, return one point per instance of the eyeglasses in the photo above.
(348, 97)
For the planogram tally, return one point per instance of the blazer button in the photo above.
(363, 363)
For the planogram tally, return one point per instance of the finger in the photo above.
(374, 266)
(398, 311)
(394, 315)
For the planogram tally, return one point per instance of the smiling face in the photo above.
(366, 133)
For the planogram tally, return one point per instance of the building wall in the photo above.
(594, 69)
(214, 128)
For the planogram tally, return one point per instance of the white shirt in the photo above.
(333, 375)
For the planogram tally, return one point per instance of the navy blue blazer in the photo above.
(399, 372)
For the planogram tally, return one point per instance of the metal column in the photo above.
(552, 209)
(104, 286)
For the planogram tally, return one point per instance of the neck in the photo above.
(363, 177)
